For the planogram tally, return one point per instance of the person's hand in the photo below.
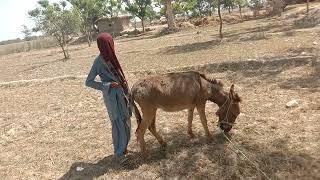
(114, 84)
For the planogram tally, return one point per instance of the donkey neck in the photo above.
(219, 98)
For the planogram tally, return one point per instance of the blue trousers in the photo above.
(119, 113)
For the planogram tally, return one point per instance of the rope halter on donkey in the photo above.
(226, 120)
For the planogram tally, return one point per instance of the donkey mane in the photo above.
(219, 84)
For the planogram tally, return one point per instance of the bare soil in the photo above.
(51, 124)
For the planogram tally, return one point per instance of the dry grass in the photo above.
(27, 46)
(51, 127)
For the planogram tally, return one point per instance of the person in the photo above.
(114, 88)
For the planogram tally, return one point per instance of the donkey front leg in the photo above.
(147, 117)
(203, 118)
(153, 130)
(190, 118)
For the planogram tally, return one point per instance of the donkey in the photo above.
(178, 91)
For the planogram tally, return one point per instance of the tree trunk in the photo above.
(169, 15)
(64, 47)
(308, 7)
(142, 24)
(135, 24)
(229, 9)
(65, 52)
(240, 10)
(88, 38)
(200, 12)
(219, 13)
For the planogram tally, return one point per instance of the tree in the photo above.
(241, 4)
(167, 10)
(228, 4)
(55, 20)
(219, 13)
(184, 6)
(27, 32)
(89, 11)
(138, 8)
(308, 7)
(110, 8)
(203, 7)
(256, 6)
(275, 7)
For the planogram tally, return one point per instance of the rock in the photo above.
(315, 43)
(292, 104)
(197, 22)
(163, 20)
(79, 168)
(186, 25)
(148, 29)
(205, 21)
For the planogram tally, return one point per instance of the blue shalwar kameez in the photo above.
(116, 104)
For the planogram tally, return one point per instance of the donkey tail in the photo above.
(135, 109)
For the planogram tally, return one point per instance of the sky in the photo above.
(14, 14)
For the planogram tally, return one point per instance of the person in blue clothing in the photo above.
(114, 88)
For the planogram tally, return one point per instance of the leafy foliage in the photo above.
(55, 20)
(27, 32)
(139, 8)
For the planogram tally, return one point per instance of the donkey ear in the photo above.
(231, 94)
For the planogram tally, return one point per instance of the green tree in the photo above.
(57, 21)
(256, 6)
(151, 13)
(111, 8)
(202, 7)
(139, 8)
(89, 11)
(184, 6)
(241, 4)
(26, 32)
(228, 4)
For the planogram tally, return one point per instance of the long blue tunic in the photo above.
(114, 99)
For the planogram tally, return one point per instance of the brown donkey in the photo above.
(178, 91)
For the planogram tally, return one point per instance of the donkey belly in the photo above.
(176, 107)
(175, 103)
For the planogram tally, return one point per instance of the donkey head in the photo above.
(229, 111)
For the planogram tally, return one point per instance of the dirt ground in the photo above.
(51, 124)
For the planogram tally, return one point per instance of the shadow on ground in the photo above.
(187, 48)
(198, 159)
(265, 70)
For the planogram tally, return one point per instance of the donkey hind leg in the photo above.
(147, 117)
(202, 113)
(190, 118)
(153, 130)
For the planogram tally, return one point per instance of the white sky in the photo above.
(13, 14)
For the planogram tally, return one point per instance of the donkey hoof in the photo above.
(163, 146)
(145, 154)
(191, 135)
(209, 138)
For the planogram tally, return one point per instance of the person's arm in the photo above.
(90, 82)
